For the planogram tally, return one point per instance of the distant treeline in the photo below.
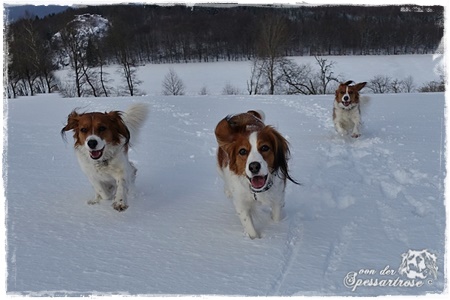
(167, 34)
(140, 34)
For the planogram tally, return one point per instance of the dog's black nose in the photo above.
(254, 167)
(346, 98)
(92, 144)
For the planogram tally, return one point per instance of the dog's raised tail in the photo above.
(134, 118)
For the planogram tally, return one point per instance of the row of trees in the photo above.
(32, 59)
(138, 34)
(287, 77)
(290, 78)
(30, 67)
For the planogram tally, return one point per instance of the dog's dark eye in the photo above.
(102, 128)
(84, 130)
(350, 93)
(243, 151)
(342, 93)
(264, 148)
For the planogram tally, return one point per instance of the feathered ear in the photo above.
(282, 153)
(224, 131)
(348, 82)
(244, 121)
(72, 123)
(360, 85)
(229, 126)
(119, 124)
(258, 113)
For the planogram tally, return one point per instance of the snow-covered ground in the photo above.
(362, 203)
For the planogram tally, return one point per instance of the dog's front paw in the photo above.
(94, 201)
(254, 235)
(341, 130)
(120, 206)
(356, 135)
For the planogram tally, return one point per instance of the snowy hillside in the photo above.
(86, 28)
(362, 203)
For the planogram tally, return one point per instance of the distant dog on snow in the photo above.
(101, 145)
(346, 110)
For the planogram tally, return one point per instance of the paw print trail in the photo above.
(361, 193)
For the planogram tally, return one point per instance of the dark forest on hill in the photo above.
(140, 34)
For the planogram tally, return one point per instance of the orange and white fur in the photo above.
(101, 145)
(253, 162)
(347, 110)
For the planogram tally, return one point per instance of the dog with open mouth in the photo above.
(253, 162)
(347, 108)
(101, 144)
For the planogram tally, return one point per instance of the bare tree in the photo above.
(72, 46)
(128, 70)
(380, 84)
(396, 85)
(88, 80)
(299, 79)
(432, 87)
(96, 58)
(120, 42)
(172, 84)
(229, 89)
(272, 41)
(24, 46)
(80, 44)
(402, 86)
(103, 75)
(408, 84)
(256, 82)
(13, 83)
(203, 91)
(326, 74)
